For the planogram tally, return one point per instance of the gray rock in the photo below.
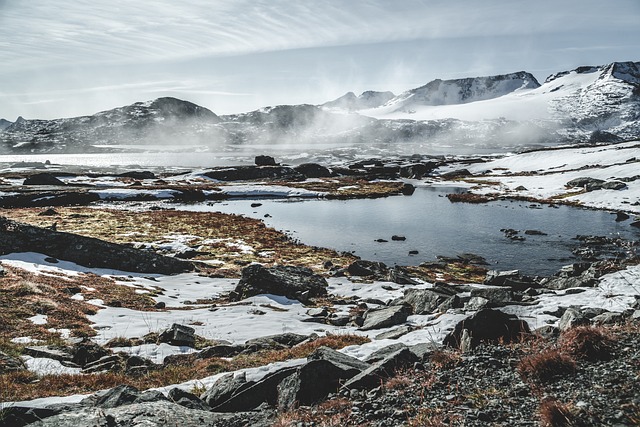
(179, 335)
(220, 350)
(312, 382)
(318, 312)
(477, 303)
(160, 413)
(571, 318)
(495, 295)
(150, 396)
(278, 341)
(488, 325)
(263, 160)
(337, 358)
(117, 396)
(609, 318)
(224, 388)
(395, 333)
(382, 369)
(385, 317)
(106, 363)
(313, 170)
(61, 354)
(426, 301)
(299, 283)
(263, 391)
(367, 268)
(186, 399)
(613, 185)
(424, 350)
(589, 184)
(42, 179)
(400, 276)
(384, 352)
(548, 331)
(511, 278)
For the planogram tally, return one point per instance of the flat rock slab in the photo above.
(385, 317)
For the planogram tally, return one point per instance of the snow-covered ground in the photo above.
(544, 175)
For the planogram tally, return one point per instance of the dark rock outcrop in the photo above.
(313, 170)
(42, 179)
(248, 173)
(382, 369)
(488, 325)
(179, 335)
(385, 317)
(86, 251)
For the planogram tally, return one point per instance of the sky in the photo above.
(69, 58)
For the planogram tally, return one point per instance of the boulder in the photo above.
(42, 179)
(61, 354)
(224, 388)
(609, 318)
(572, 317)
(382, 369)
(255, 394)
(367, 268)
(384, 352)
(337, 358)
(496, 296)
(263, 160)
(186, 399)
(511, 278)
(86, 251)
(117, 396)
(299, 283)
(313, 170)
(112, 363)
(395, 333)
(138, 175)
(400, 276)
(312, 382)
(86, 351)
(220, 350)
(279, 341)
(179, 335)
(385, 317)
(408, 189)
(488, 325)
(426, 301)
(589, 184)
(613, 185)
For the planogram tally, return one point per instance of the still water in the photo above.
(434, 226)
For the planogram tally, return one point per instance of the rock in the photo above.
(186, 399)
(150, 396)
(263, 160)
(49, 212)
(424, 350)
(417, 170)
(385, 317)
(279, 341)
(408, 189)
(87, 351)
(511, 278)
(220, 350)
(382, 369)
(535, 233)
(312, 382)
(396, 333)
(18, 416)
(477, 303)
(117, 396)
(426, 301)
(571, 318)
(159, 413)
(246, 173)
(337, 358)
(62, 354)
(401, 276)
(138, 175)
(179, 335)
(635, 224)
(496, 296)
(609, 318)
(589, 184)
(384, 352)
(318, 312)
(398, 238)
(86, 251)
(313, 170)
(621, 216)
(298, 283)
(613, 185)
(104, 364)
(548, 332)
(224, 388)
(10, 364)
(42, 179)
(367, 268)
(252, 396)
(456, 174)
(488, 325)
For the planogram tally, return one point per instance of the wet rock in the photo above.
(299, 283)
(488, 325)
(42, 179)
(179, 335)
(247, 173)
(408, 189)
(535, 233)
(621, 216)
(138, 175)
(385, 317)
(511, 278)
(398, 238)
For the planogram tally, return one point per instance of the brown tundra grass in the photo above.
(587, 342)
(555, 414)
(543, 367)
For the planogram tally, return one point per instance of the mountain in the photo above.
(368, 99)
(496, 113)
(4, 124)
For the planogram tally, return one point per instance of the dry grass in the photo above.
(217, 236)
(433, 417)
(555, 414)
(26, 385)
(330, 413)
(587, 342)
(545, 366)
(445, 359)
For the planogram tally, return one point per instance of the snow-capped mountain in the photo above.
(368, 99)
(505, 112)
